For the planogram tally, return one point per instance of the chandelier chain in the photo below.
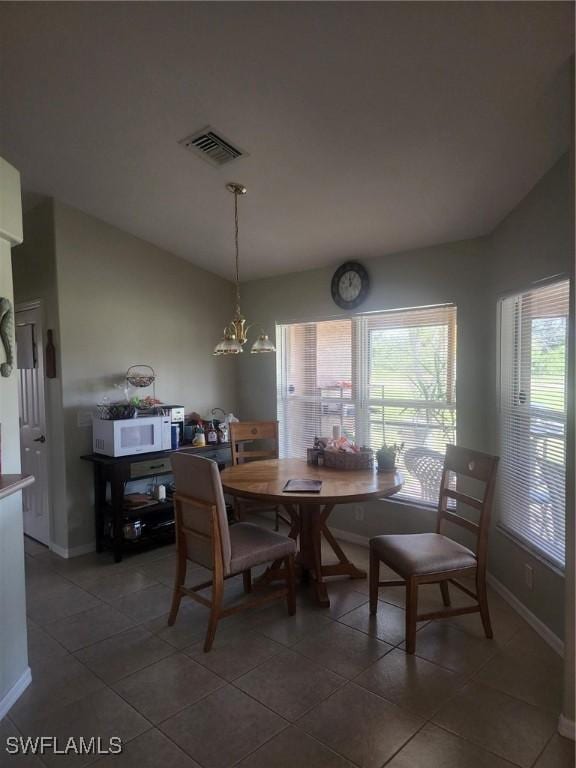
(235, 333)
(237, 252)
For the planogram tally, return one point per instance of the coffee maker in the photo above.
(176, 415)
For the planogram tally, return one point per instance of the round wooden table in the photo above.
(309, 512)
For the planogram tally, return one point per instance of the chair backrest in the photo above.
(242, 433)
(200, 511)
(481, 467)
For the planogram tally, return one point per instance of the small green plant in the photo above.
(387, 455)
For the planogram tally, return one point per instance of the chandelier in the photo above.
(235, 334)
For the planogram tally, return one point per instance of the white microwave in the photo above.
(125, 437)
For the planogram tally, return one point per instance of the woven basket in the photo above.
(140, 378)
(342, 460)
(113, 411)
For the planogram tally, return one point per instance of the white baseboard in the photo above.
(8, 701)
(567, 728)
(84, 549)
(538, 626)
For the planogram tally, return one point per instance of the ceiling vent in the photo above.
(212, 146)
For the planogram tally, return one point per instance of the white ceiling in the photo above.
(370, 127)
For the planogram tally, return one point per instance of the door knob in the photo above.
(40, 439)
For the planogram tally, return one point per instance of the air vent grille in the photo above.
(212, 146)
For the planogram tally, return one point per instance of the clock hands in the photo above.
(350, 285)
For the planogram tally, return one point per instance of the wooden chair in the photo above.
(242, 435)
(432, 558)
(204, 537)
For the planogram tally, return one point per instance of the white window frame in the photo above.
(360, 399)
(525, 543)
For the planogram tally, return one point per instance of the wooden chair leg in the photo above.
(445, 593)
(217, 595)
(411, 613)
(374, 579)
(483, 603)
(179, 580)
(238, 511)
(247, 578)
(291, 585)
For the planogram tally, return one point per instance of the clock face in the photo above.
(350, 285)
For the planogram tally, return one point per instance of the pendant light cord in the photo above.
(237, 253)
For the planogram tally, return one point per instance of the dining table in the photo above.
(309, 512)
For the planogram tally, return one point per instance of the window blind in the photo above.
(314, 383)
(387, 377)
(532, 417)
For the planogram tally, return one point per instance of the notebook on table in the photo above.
(303, 486)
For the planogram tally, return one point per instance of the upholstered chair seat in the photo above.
(433, 558)
(252, 545)
(203, 536)
(420, 553)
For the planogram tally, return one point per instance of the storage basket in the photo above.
(140, 378)
(342, 460)
(112, 411)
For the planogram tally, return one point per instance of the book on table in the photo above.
(303, 486)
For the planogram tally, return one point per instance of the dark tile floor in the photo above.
(324, 689)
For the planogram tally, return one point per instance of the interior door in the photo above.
(33, 442)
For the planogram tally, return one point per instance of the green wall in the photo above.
(115, 301)
(532, 242)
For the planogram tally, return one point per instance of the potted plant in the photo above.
(387, 456)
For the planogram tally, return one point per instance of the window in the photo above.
(384, 377)
(532, 383)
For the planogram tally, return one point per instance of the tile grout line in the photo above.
(419, 730)
(475, 744)
(105, 687)
(470, 677)
(245, 757)
(339, 687)
(466, 680)
(544, 748)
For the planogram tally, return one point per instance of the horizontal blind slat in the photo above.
(532, 418)
(384, 377)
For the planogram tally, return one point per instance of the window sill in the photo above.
(424, 506)
(532, 551)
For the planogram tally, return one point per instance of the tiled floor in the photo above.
(324, 689)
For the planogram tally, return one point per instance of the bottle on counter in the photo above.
(175, 435)
(160, 493)
(211, 434)
(222, 432)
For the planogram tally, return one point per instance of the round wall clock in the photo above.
(350, 285)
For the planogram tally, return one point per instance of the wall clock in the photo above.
(350, 285)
